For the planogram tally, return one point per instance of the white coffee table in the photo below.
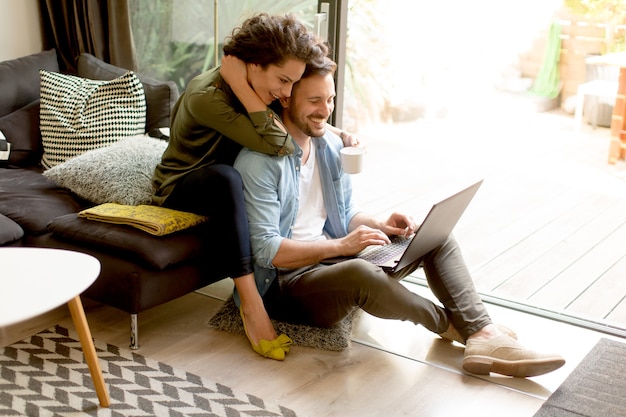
(37, 280)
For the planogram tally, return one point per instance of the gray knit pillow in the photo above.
(78, 114)
(119, 173)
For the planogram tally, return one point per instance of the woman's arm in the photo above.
(215, 108)
(234, 72)
(347, 138)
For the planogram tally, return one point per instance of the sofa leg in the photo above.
(134, 332)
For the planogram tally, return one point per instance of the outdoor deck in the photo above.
(547, 230)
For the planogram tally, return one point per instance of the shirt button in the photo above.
(267, 280)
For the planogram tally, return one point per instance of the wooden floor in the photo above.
(391, 369)
(546, 229)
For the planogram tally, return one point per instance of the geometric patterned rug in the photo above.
(46, 375)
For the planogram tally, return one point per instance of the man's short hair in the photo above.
(327, 66)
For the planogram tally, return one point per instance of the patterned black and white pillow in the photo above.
(78, 114)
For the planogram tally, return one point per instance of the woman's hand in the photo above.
(233, 70)
(349, 139)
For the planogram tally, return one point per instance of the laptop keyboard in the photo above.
(382, 254)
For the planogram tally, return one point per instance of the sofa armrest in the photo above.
(19, 79)
(9, 230)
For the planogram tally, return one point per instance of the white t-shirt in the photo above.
(311, 216)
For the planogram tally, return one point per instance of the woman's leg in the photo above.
(257, 321)
(216, 191)
(325, 295)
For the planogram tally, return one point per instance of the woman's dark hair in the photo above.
(264, 40)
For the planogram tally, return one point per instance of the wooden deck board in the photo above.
(547, 252)
(610, 287)
(576, 279)
(618, 314)
(529, 216)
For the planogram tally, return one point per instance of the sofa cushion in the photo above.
(31, 200)
(78, 114)
(21, 129)
(120, 173)
(9, 230)
(160, 95)
(19, 79)
(157, 251)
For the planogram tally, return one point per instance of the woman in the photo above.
(221, 111)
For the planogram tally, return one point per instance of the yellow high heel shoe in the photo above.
(273, 349)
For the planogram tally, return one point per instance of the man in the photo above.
(301, 212)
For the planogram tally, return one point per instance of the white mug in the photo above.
(352, 158)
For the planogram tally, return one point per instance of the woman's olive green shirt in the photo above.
(209, 126)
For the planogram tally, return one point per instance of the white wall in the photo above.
(20, 28)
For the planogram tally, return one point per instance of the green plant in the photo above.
(176, 40)
(150, 24)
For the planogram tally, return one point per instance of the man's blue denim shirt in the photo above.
(271, 190)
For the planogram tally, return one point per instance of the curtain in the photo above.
(99, 27)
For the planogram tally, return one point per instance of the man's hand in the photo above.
(296, 254)
(399, 224)
(360, 238)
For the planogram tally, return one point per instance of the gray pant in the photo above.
(323, 295)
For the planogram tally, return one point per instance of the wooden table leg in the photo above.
(89, 350)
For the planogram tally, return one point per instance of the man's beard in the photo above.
(305, 127)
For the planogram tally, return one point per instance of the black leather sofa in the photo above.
(138, 270)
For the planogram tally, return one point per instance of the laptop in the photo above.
(433, 231)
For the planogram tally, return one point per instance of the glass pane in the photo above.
(232, 13)
(429, 60)
(176, 39)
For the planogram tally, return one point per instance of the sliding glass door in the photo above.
(179, 39)
(324, 17)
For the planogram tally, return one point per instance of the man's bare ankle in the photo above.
(488, 332)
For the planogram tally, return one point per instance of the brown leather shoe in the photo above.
(504, 355)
